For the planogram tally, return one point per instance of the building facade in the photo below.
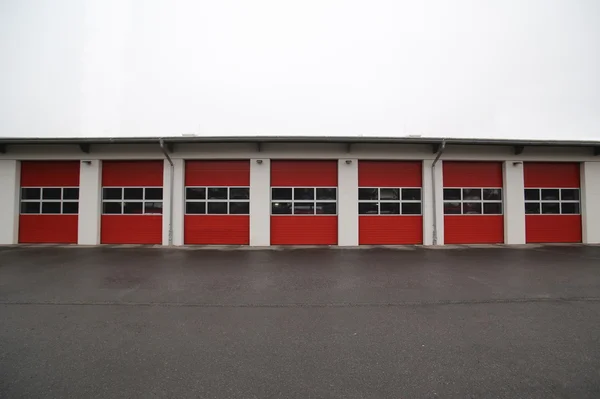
(298, 191)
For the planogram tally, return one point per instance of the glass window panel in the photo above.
(153, 207)
(532, 208)
(326, 193)
(550, 207)
(409, 208)
(195, 207)
(471, 194)
(112, 193)
(368, 194)
(30, 207)
(217, 208)
(30, 193)
(154, 193)
(111, 207)
(326, 208)
(452, 194)
(471, 208)
(239, 193)
(389, 208)
(550, 194)
(569, 194)
(569, 207)
(133, 193)
(411, 194)
(492, 194)
(492, 208)
(281, 208)
(239, 208)
(368, 208)
(133, 208)
(281, 193)
(452, 208)
(50, 207)
(389, 194)
(217, 193)
(71, 193)
(532, 194)
(51, 193)
(303, 193)
(304, 208)
(70, 207)
(195, 193)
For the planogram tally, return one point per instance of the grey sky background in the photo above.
(460, 68)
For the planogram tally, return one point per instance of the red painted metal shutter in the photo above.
(552, 228)
(49, 229)
(217, 229)
(473, 229)
(132, 229)
(390, 229)
(304, 230)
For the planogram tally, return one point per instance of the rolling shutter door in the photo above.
(552, 202)
(220, 228)
(473, 209)
(43, 218)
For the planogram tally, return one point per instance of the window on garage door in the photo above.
(389, 201)
(304, 200)
(49, 200)
(472, 201)
(554, 201)
(132, 200)
(217, 200)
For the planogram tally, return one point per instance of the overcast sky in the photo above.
(459, 68)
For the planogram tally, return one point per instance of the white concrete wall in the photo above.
(260, 202)
(10, 183)
(590, 202)
(348, 202)
(514, 202)
(178, 201)
(428, 203)
(90, 202)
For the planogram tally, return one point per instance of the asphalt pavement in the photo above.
(409, 322)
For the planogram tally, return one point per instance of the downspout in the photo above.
(434, 185)
(171, 188)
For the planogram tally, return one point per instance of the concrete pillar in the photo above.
(10, 181)
(590, 202)
(347, 202)
(178, 201)
(260, 202)
(90, 202)
(514, 202)
(428, 202)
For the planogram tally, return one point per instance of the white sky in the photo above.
(460, 68)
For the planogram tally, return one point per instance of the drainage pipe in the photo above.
(434, 185)
(171, 189)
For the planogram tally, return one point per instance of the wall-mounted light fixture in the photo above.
(86, 162)
(259, 161)
(517, 163)
(348, 161)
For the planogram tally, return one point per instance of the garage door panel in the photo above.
(553, 228)
(217, 173)
(551, 175)
(217, 229)
(304, 230)
(48, 229)
(474, 229)
(390, 230)
(472, 174)
(390, 174)
(50, 173)
(131, 229)
(132, 173)
(304, 173)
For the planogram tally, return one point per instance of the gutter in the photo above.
(434, 185)
(171, 189)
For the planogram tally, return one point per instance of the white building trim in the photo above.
(590, 202)
(10, 183)
(347, 202)
(260, 202)
(90, 202)
(514, 202)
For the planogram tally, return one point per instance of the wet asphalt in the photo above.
(115, 322)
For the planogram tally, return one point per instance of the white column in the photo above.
(10, 181)
(260, 202)
(428, 202)
(590, 202)
(178, 201)
(514, 202)
(90, 203)
(348, 202)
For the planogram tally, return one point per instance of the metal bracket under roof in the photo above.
(348, 147)
(435, 148)
(259, 146)
(3, 148)
(518, 149)
(596, 151)
(84, 147)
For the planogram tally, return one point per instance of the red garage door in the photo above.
(217, 202)
(49, 202)
(304, 202)
(389, 202)
(552, 202)
(473, 211)
(132, 196)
